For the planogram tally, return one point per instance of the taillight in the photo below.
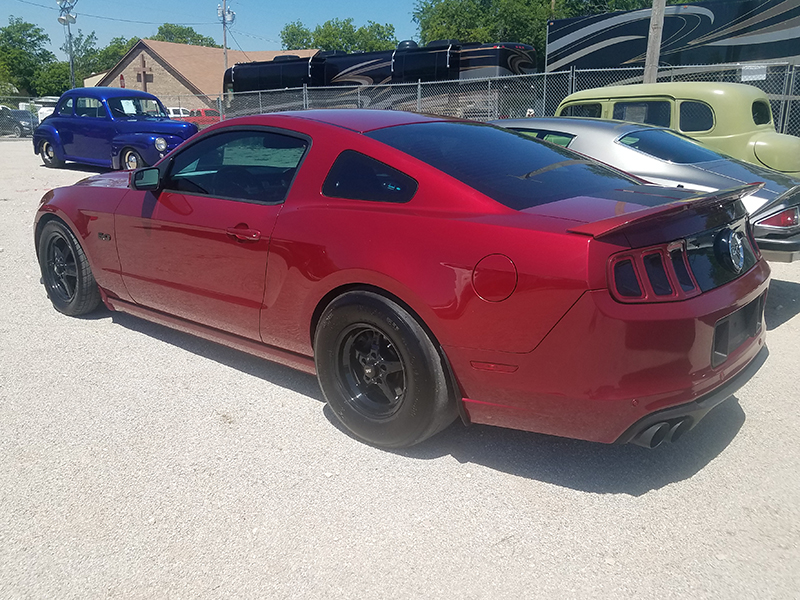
(655, 274)
(784, 220)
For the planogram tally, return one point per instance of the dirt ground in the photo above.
(138, 462)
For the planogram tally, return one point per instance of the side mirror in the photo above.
(148, 179)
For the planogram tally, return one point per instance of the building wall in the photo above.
(161, 81)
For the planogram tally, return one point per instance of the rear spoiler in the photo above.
(636, 220)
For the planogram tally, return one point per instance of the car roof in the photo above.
(108, 92)
(700, 90)
(363, 120)
(575, 125)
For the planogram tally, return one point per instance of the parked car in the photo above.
(17, 123)
(733, 118)
(667, 158)
(203, 117)
(108, 127)
(524, 285)
(177, 112)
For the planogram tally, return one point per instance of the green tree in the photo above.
(23, 52)
(84, 55)
(180, 34)
(296, 36)
(339, 34)
(53, 79)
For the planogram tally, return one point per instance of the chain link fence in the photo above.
(481, 99)
(520, 96)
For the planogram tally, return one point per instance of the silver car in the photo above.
(668, 158)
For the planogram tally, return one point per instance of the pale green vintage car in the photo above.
(732, 118)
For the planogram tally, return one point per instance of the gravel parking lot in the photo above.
(138, 462)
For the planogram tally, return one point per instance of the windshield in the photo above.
(513, 169)
(668, 146)
(133, 108)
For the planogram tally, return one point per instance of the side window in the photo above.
(254, 166)
(593, 110)
(696, 116)
(64, 107)
(653, 112)
(89, 107)
(359, 177)
(761, 113)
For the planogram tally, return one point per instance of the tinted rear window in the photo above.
(668, 146)
(513, 169)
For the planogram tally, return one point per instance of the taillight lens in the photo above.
(784, 219)
(656, 274)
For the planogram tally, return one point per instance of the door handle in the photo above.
(243, 234)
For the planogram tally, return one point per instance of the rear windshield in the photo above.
(515, 170)
(668, 146)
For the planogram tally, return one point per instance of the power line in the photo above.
(83, 14)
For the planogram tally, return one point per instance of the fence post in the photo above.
(572, 80)
(791, 100)
(419, 95)
(787, 90)
(305, 96)
(260, 108)
(358, 97)
(489, 100)
(219, 107)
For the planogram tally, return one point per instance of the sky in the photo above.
(257, 26)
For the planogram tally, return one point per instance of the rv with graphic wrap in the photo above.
(702, 33)
(443, 60)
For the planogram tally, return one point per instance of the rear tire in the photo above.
(66, 273)
(380, 372)
(49, 157)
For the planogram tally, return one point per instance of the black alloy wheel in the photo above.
(66, 274)
(380, 371)
(371, 372)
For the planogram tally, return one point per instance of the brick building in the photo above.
(180, 74)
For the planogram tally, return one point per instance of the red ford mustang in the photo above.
(427, 268)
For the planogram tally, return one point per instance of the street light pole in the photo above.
(227, 17)
(66, 17)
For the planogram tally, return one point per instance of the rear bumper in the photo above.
(696, 410)
(606, 367)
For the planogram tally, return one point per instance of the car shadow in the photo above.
(579, 465)
(783, 303)
(573, 464)
(280, 375)
(79, 168)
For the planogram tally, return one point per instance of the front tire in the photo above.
(66, 273)
(380, 372)
(17, 131)
(48, 154)
(131, 160)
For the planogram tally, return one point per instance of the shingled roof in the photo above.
(199, 68)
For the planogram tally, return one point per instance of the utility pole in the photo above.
(227, 17)
(66, 17)
(654, 42)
